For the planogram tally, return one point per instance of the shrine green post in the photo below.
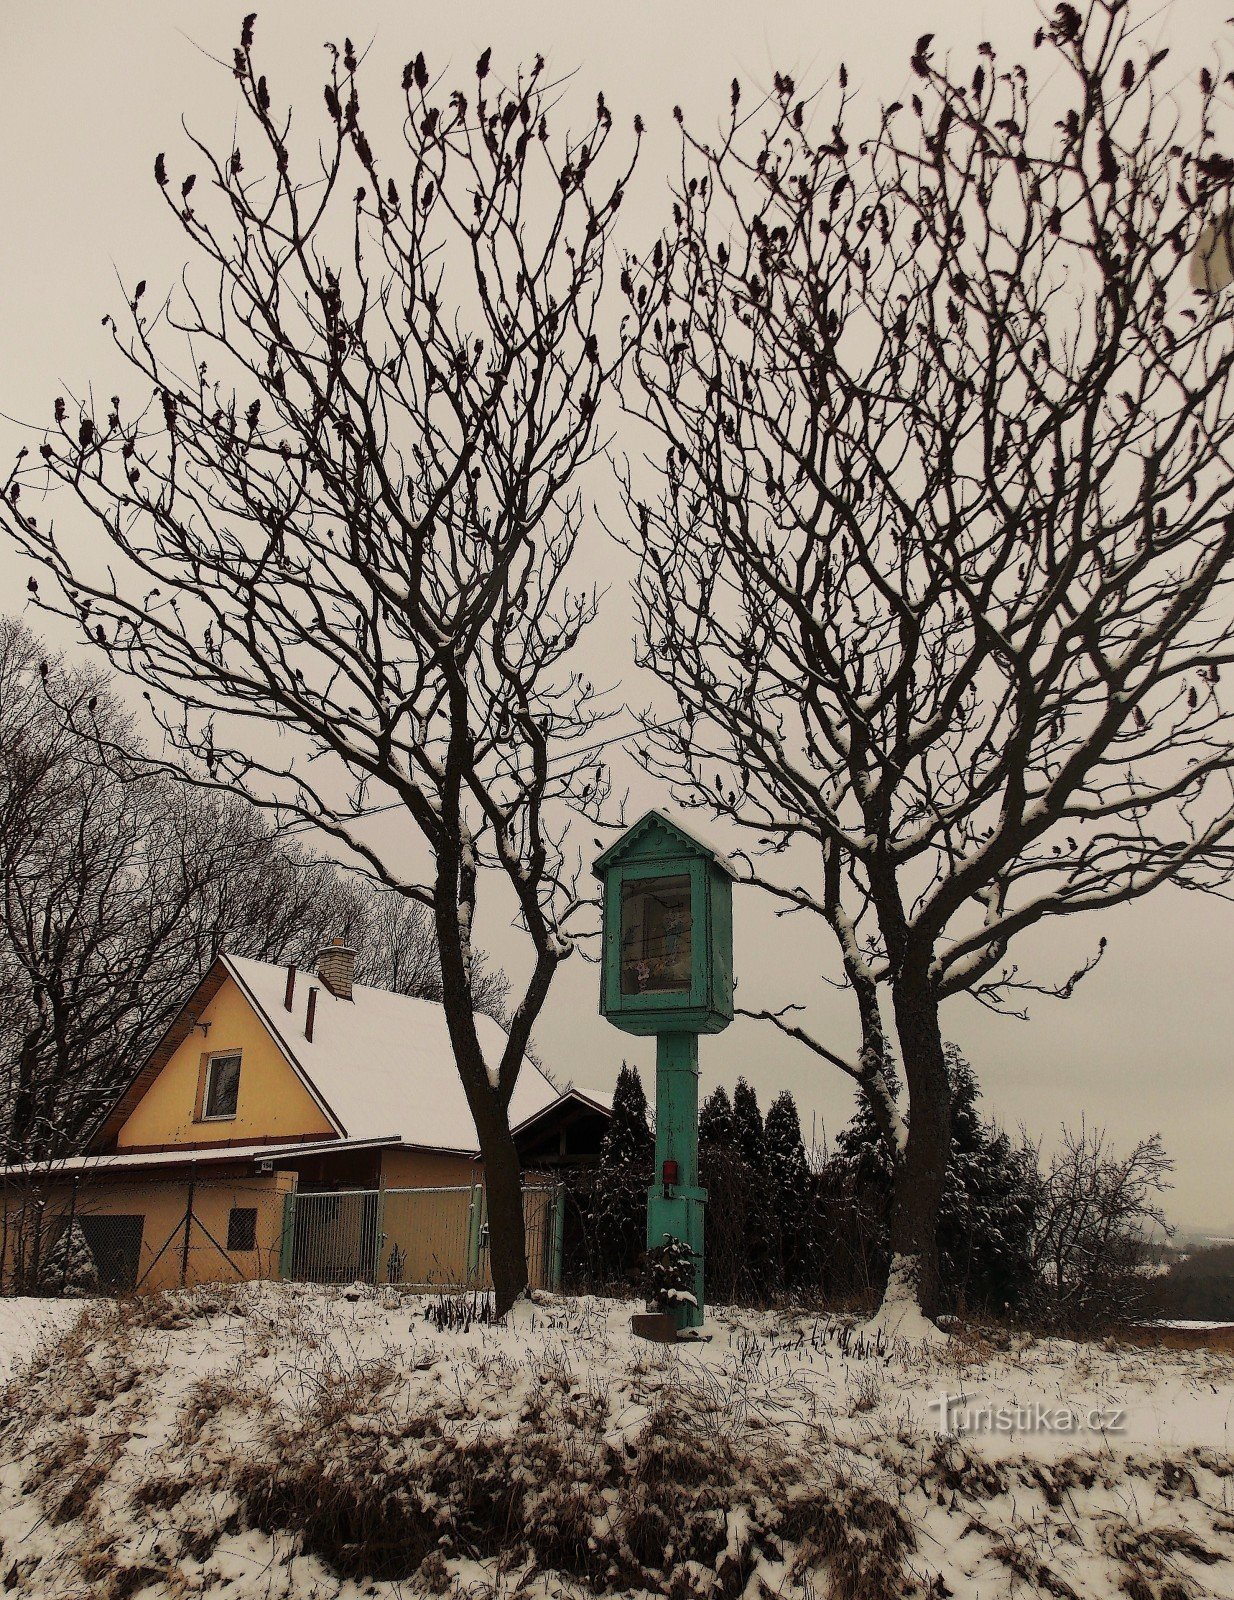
(676, 1211)
(667, 970)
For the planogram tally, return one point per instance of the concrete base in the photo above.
(658, 1326)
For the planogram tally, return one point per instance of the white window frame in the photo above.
(221, 1116)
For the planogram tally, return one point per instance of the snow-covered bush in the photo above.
(668, 1277)
(69, 1268)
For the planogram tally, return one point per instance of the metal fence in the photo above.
(119, 1237)
(421, 1238)
(163, 1235)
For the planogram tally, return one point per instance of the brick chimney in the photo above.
(336, 967)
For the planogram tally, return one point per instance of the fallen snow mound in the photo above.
(298, 1444)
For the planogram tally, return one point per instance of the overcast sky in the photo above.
(94, 91)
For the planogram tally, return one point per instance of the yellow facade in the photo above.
(415, 1169)
(272, 1102)
(177, 1244)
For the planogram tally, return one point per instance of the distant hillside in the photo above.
(1198, 1285)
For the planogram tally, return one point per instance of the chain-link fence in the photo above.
(424, 1237)
(121, 1237)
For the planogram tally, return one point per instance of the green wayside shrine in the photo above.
(667, 968)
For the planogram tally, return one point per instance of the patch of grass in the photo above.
(866, 1394)
(1030, 1569)
(385, 1482)
(208, 1398)
(68, 1470)
(459, 1313)
(112, 1578)
(1150, 1560)
(181, 1308)
(956, 1470)
(860, 1538)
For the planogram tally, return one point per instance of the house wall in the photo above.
(425, 1236)
(162, 1205)
(272, 1102)
(423, 1226)
(421, 1169)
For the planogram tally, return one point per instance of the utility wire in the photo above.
(574, 756)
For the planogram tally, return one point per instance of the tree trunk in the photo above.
(917, 1190)
(503, 1179)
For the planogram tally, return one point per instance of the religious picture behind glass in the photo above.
(656, 945)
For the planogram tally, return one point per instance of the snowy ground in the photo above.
(23, 1323)
(280, 1442)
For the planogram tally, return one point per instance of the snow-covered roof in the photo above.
(597, 1099)
(656, 820)
(196, 1154)
(381, 1064)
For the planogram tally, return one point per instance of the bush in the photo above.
(1096, 1212)
(69, 1267)
(668, 1278)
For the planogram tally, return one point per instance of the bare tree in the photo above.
(1097, 1214)
(90, 905)
(119, 887)
(938, 564)
(350, 542)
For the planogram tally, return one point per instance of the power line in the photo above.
(574, 756)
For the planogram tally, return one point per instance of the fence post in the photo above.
(558, 1251)
(379, 1238)
(287, 1241)
(474, 1217)
(188, 1229)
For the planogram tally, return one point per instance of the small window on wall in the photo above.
(242, 1228)
(222, 1088)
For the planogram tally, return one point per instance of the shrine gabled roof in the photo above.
(677, 841)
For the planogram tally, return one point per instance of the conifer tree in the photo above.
(750, 1137)
(795, 1192)
(715, 1120)
(986, 1220)
(761, 1234)
(987, 1212)
(70, 1268)
(629, 1136)
(619, 1198)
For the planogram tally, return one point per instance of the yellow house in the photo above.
(297, 1124)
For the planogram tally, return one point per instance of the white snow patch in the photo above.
(1187, 1322)
(24, 1322)
(900, 1317)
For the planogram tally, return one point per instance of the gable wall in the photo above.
(272, 1100)
(412, 1169)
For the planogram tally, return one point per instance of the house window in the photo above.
(222, 1088)
(242, 1228)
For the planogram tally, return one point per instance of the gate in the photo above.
(415, 1238)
